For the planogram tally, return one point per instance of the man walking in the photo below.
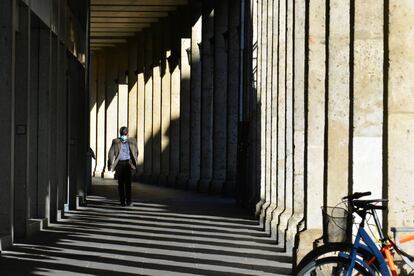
(123, 159)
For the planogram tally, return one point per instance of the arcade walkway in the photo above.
(165, 232)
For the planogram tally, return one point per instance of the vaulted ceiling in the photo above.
(113, 21)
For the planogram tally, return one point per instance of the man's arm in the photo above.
(134, 148)
(111, 154)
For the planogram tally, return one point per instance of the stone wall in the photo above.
(332, 83)
(44, 114)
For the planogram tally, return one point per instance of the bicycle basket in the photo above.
(335, 224)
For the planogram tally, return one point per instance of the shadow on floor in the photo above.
(165, 232)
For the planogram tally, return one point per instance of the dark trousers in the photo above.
(124, 175)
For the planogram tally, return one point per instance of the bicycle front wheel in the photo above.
(331, 266)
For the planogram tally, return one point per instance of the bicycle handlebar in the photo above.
(370, 204)
(356, 195)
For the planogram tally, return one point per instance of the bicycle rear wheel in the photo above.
(331, 266)
(333, 249)
(406, 247)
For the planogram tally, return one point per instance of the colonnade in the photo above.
(176, 86)
(334, 111)
(43, 114)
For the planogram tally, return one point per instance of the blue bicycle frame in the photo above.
(370, 247)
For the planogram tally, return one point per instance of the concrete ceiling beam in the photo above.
(140, 2)
(116, 25)
(123, 20)
(102, 45)
(132, 8)
(114, 29)
(111, 34)
(108, 40)
(113, 14)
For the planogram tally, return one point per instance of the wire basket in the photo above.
(336, 224)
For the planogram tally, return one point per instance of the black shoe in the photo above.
(129, 204)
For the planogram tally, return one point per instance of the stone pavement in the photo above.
(165, 232)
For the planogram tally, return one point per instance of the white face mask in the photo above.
(123, 137)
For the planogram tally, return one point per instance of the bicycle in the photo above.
(363, 255)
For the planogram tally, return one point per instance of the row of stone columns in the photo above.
(182, 99)
(278, 42)
(333, 113)
(37, 84)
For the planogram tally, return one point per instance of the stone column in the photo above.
(299, 83)
(274, 113)
(185, 100)
(253, 106)
(78, 130)
(33, 121)
(266, 82)
(400, 104)
(122, 105)
(260, 138)
(337, 142)
(122, 53)
(165, 102)
(53, 127)
(220, 98)
(175, 71)
(21, 115)
(282, 124)
(7, 63)
(315, 126)
(141, 105)
(206, 171)
(74, 126)
(93, 104)
(101, 119)
(368, 98)
(110, 105)
(44, 124)
(148, 104)
(62, 126)
(156, 105)
(233, 95)
(288, 189)
(132, 87)
(195, 97)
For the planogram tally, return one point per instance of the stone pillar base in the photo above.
(34, 226)
(146, 178)
(109, 175)
(155, 180)
(259, 207)
(295, 224)
(163, 180)
(266, 216)
(98, 173)
(204, 185)
(60, 215)
(172, 180)
(230, 188)
(80, 201)
(5, 242)
(217, 185)
(306, 242)
(182, 181)
(192, 184)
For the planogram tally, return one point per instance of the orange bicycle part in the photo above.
(407, 238)
(385, 250)
(390, 260)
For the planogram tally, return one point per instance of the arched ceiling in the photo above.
(113, 21)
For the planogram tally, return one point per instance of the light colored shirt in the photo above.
(124, 154)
